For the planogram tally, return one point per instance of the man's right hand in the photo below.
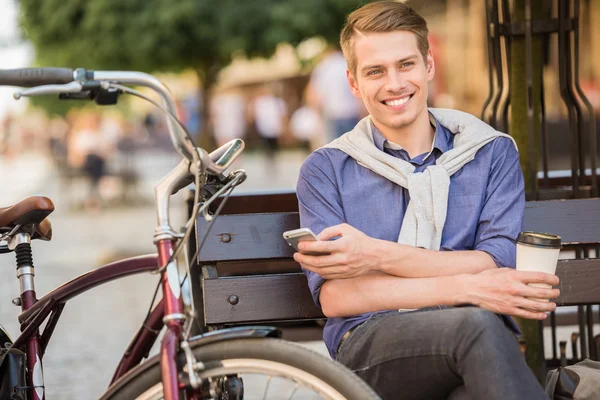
(505, 291)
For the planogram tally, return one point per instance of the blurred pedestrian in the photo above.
(192, 105)
(329, 92)
(58, 130)
(306, 126)
(270, 117)
(9, 137)
(228, 116)
(88, 152)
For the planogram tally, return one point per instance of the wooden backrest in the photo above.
(247, 257)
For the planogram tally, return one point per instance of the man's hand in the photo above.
(353, 254)
(505, 291)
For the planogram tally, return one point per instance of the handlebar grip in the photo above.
(29, 77)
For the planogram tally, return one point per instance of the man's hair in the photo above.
(382, 17)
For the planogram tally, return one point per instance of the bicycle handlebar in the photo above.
(44, 81)
(29, 77)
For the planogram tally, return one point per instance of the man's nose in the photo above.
(395, 82)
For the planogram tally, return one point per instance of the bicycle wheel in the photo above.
(253, 368)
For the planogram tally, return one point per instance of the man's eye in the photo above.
(374, 72)
(407, 64)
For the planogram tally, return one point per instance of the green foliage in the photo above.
(166, 35)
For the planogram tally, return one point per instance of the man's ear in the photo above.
(353, 84)
(430, 66)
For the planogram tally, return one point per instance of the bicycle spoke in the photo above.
(294, 391)
(267, 388)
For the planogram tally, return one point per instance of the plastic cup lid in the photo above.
(539, 239)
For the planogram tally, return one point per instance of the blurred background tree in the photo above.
(167, 36)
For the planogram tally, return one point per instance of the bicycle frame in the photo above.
(51, 305)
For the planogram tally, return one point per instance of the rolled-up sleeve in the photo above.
(501, 218)
(319, 205)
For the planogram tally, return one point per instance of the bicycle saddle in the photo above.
(43, 230)
(31, 211)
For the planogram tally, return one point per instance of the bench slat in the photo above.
(286, 296)
(259, 202)
(251, 236)
(261, 298)
(576, 221)
(275, 266)
(579, 281)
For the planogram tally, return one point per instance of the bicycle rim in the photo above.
(299, 381)
(258, 368)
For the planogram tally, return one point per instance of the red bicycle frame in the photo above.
(50, 307)
(173, 309)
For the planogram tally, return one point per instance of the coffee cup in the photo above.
(538, 252)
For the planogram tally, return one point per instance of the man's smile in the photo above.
(397, 103)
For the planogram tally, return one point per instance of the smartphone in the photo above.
(295, 236)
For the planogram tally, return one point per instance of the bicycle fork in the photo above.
(21, 244)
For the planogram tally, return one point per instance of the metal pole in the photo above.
(491, 62)
(529, 100)
(564, 72)
(507, 51)
(591, 115)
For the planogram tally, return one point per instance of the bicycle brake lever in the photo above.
(83, 95)
(72, 87)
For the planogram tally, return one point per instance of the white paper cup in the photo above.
(538, 252)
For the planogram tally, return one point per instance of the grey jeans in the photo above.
(453, 353)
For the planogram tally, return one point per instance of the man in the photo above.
(417, 211)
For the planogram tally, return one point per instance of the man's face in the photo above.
(391, 77)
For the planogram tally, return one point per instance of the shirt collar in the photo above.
(442, 138)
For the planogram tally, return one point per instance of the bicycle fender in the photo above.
(238, 332)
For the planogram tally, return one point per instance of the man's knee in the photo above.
(478, 319)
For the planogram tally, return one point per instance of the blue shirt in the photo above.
(485, 204)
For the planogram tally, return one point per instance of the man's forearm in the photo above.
(379, 291)
(412, 262)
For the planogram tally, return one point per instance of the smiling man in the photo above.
(418, 210)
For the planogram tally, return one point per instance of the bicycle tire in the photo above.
(147, 376)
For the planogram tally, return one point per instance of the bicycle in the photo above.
(209, 366)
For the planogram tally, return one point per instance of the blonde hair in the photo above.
(382, 17)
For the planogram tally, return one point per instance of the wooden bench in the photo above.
(247, 275)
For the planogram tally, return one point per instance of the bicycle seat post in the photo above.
(21, 244)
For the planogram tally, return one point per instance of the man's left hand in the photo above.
(352, 254)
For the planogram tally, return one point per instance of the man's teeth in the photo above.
(398, 102)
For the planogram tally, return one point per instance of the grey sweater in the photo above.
(426, 213)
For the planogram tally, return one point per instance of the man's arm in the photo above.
(377, 291)
(501, 290)
(418, 262)
(355, 253)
